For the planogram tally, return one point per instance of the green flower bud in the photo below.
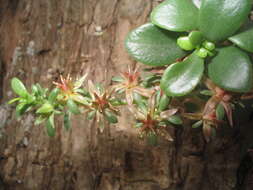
(185, 43)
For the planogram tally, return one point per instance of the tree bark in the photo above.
(39, 40)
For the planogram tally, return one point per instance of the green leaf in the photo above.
(117, 79)
(18, 87)
(50, 126)
(220, 112)
(244, 40)
(175, 119)
(22, 108)
(153, 46)
(53, 95)
(82, 91)
(209, 45)
(111, 117)
(45, 108)
(66, 121)
(206, 92)
(91, 115)
(39, 120)
(185, 43)
(231, 69)
(202, 53)
(176, 15)
(13, 100)
(197, 124)
(196, 37)
(181, 78)
(138, 125)
(73, 108)
(35, 89)
(79, 82)
(164, 102)
(117, 102)
(221, 19)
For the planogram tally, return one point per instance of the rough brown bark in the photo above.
(39, 40)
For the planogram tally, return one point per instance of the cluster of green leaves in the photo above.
(164, 41)
(195, 43)
(66, 99)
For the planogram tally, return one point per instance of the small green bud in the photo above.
(202, 52)
(185, 43)
(196, 38)
(209, 45)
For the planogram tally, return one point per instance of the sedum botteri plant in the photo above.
(200, 68)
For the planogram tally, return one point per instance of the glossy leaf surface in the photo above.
(73, 108)
(182, 77)
(231, 70)
(18, 87)
(153, 46)
(66, 121)
(221, 19)
(244, 40)
(50, 126)
(176, 15)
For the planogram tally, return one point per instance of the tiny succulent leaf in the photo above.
(220, 112)
(231, 69)
(175, 119)
(176, 15)
(221, 19)
(111, 117)
(22, 108)
(197, 124)
(91, 115)
(164, 102)
(73, 108)
(185, 43)
(18, 87)
(13, 100)
(153, 46)
(53, 95)
(50, 126)
(196, 37)
(39, 120)
(66, 121)
(244, 40)
(181, 78)
(45, 108)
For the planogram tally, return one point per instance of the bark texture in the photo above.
(41, 39)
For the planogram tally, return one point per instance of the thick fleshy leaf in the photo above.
(45, 108)
(244, 40)
(197, 124)
(176, 15)
(18, 87)
(50, 126)
(221, 19)
(153, 46)
(231, 70)
(164, 102)
(181, 78)
(73, 108)
(175, 119)
(220, 112)
(66, 121)
(53, 95)
(111, 117)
